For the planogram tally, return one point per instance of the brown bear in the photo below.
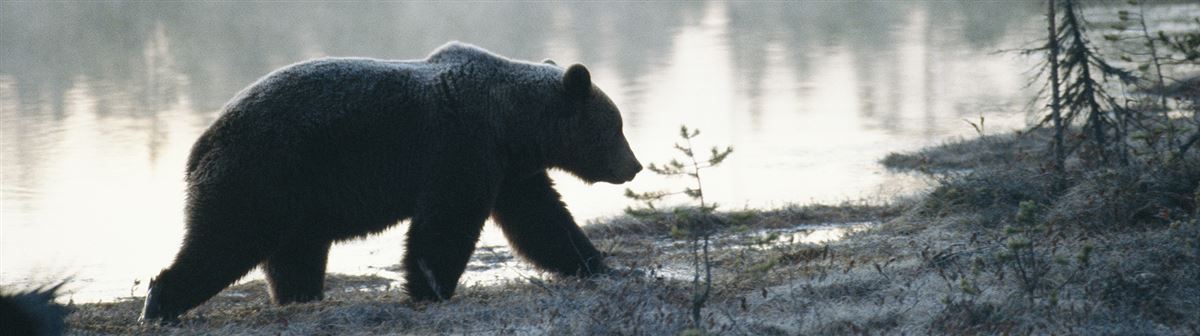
(337, 148)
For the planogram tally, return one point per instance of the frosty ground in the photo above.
(996, 246)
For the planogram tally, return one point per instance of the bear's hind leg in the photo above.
(296, 272)
(210, 260)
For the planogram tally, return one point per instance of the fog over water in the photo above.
(100, 103)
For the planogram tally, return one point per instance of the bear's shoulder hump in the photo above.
(459, 52)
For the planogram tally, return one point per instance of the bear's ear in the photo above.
(577, 80)
(549, 61)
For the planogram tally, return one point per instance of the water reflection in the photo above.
(100, 102)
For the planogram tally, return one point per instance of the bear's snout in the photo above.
(625, 166)
(637, 168)
(627, 172)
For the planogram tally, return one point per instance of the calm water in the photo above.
(101, 102)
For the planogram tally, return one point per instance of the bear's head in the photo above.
(589, 142)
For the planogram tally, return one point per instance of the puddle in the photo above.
(819, 234)
(494, 264)
(804, 234)
(489, 265)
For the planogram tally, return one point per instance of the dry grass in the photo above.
(991, 150)
(1001, 248)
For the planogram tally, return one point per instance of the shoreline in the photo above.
(988, 250)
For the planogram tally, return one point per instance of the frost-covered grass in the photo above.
(997, 247)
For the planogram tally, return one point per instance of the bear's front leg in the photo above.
(540, 229)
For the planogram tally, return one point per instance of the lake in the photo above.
(100, 102)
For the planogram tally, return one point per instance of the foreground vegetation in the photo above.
(996, 247)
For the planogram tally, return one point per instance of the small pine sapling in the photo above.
(690, 166)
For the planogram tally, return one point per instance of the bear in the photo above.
(334, 149)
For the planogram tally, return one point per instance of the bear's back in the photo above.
(338, 77)
(311, 102)
(306, 106)
(320, 92)
(323, 83)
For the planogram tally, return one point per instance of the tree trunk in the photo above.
(1055, 106)
(1096, 114)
